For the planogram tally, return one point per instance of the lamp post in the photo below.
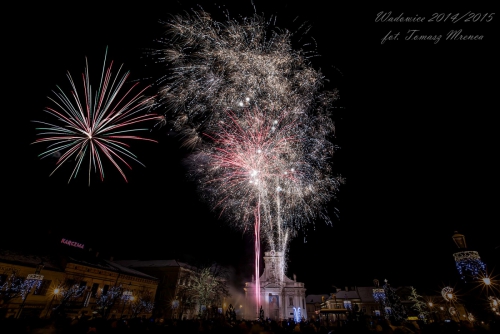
(175, 308)
(127, 296)
(431, 309)
(30, 281)
(54, 294)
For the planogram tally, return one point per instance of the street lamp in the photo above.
(448, 296)
(459, 240)
(175, 307)
(31, 280)
(126, 297)
(54, 294)
(431, 309)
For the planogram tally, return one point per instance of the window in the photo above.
(105, 289)
(42, 289)
(347, 304)
(377, 313)
(290, 301)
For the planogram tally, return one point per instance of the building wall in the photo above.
(95, 278)
(39, 302)
(275, 286)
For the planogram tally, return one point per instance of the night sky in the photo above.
(415, 123)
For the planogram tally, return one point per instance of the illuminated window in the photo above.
(347, 304)
(377, 313)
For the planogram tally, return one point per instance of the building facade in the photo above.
(281, 297)
(78, 283)
(173, 277)
(359, 302)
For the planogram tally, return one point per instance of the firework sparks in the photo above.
(252, 109)
(93, 127)
(217, 66)
(264, 165)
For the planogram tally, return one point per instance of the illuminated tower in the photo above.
(282, 297)
(469, 264)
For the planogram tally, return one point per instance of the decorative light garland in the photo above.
(469, 264)
(447, 293)
(378, 295)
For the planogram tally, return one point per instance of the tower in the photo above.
(468, 263)
(282, 297)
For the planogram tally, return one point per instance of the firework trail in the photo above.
(95, 126)
(252, 109)
(265, 165)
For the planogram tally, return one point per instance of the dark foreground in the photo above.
(135, 326)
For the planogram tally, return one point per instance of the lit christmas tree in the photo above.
(394, 310)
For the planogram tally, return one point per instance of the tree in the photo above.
(207, 289)
(142, 303)
(13, 287)
(106, 300)
(419, 305)
(69, 291)
(394, 310)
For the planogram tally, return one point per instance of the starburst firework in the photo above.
(95, 126)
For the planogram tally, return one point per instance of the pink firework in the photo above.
(92, 127)
(266, 165)
(259, 169)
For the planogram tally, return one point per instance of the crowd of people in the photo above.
(89, 325)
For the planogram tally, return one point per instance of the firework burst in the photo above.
(91, 127)
(219, 66)
(252, 109)
(265, 169)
